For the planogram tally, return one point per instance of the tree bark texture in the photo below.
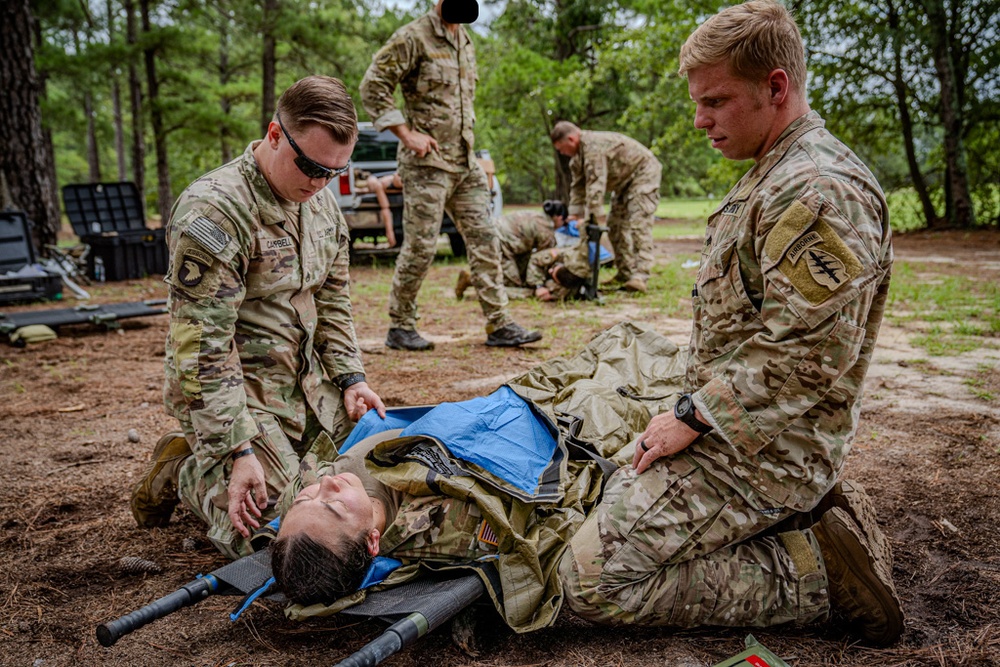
(164, 196)
(267, 98)
(135, 103)
(960, 212)
(26, 164)
(906, 120)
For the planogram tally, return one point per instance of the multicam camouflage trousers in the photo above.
(204, 480)
(630, 223)
(673, 547)
(427, 193)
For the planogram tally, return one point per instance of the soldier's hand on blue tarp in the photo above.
(359, 399)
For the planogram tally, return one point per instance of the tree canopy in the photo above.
(161, 91)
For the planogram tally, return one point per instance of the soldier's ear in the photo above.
(372, 542)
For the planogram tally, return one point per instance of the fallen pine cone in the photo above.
(133, 565)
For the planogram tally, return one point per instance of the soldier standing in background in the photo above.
(609, 162)
(732, 513)
(433, 61)
(522, 233)
(262, 361)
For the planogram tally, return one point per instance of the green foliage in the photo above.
(605, 64)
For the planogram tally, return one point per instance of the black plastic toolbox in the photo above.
(16, 252)
(110, 218)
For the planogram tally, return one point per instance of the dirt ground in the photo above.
(928, 450)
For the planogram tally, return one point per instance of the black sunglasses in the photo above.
(309, 167)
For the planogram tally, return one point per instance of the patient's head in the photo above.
(327, 541)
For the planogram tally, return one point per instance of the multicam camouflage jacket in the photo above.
(609, 392)
(524, 232)
(260, 309)
(608, 162)
(787, 306)
(436, 71)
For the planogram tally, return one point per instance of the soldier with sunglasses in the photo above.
(262, 361)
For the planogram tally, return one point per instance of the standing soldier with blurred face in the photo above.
(733, 511)
(609, 162)
(433, 61)
(262, 361)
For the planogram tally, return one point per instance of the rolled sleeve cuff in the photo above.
(390, 119)
(719, 406)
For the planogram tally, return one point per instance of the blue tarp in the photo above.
(499, 433)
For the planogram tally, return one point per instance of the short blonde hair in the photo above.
(321, 100)
(563, 129)
(755, 38)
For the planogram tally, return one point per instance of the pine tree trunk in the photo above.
(267, 98)
(116, 102)
(960, 212)
(25, 162)
(135, 103)
(164, 196)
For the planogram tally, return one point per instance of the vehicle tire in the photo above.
(457, 244)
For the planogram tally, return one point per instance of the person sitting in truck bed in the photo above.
(378, 186)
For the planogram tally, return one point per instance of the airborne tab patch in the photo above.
(208, 234)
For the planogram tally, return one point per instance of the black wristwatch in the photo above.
(347, 379)
(684, 411)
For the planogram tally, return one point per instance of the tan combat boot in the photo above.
(155, 496)
(617, 279)
(637, 285)
(463, 283)
(860, 576)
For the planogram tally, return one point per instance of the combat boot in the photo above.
(407, 339)
(512, 335)
(618, 279)
(859, 577)
(463, 283)
(155, 496)
(637, 285)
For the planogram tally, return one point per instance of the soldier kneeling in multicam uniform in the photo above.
(522, 234)
(731, 513)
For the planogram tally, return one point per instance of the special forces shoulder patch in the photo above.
(812, 255)
(194, 265)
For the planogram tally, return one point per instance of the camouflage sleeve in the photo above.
(538, 266)
(206, 289)
(336, 340)
(577, 188)
(596, 183)
(388, 67)
(820, 276)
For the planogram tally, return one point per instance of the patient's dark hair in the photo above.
(554, 207)
(566, 278)
(309, 573)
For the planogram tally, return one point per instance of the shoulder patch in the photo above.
(812, 255)
(209, 235)
(194, 266)
(487, 536)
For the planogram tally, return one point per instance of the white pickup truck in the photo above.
(375, 155)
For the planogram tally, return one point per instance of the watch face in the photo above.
(684, 405)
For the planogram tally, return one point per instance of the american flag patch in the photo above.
(211, 237)
(486, 534)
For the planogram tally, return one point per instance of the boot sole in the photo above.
(839, 536)
(515, 343)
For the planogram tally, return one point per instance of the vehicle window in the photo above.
(375, 147)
